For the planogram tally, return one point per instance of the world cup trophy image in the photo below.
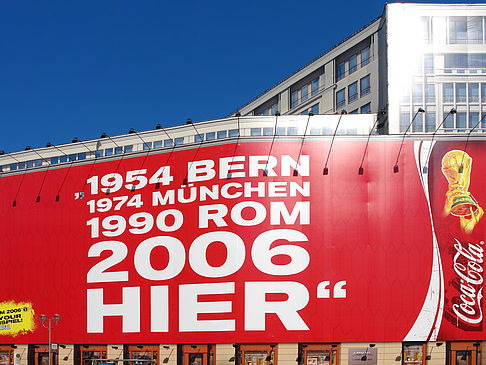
(456, 167)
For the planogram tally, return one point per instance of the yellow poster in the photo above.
(16, 318)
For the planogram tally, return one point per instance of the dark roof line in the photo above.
(315, 59)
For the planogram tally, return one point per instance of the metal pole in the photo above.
(50, 362)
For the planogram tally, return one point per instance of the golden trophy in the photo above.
(456, 167)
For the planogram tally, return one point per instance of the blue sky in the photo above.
(80, 68)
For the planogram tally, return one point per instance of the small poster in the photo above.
(362, 356)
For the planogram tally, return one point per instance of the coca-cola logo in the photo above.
(468, 267)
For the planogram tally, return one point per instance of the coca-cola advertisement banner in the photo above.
(291, 241)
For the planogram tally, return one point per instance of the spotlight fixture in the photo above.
(131, 131)
(2, 152)
(238, 114)
(158, 126)
(75, 139)
(49, 144)
(189, 121)
(28, 148)
(104, 135)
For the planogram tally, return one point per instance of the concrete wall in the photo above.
(287, 353)
(224, 352)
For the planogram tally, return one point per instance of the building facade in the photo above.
(428, 56)
(284, 234)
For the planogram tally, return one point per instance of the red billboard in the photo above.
(249, 243)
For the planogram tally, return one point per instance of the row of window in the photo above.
(120, 150)
(350, 65)
(302, 94)
(365, 109)
(454, 63)
(459, 92)
(465, 29)
(271, 110)
(314, 109)
(458, 122)
(459, 29)
(249, 354)
(364, 89)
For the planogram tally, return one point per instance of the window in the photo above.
(352, 64)
(292, 131)
(13, 166)
(366, 108)
(271, 110)
(414, 353)
(458, 62)
(198, 138)
(303, 93)
(315, 86)
(430, 122)
(233, 133)
(118, 150)
(353, 91)
(268, 131)
(355, 111)
(128, 148)
(157, 144)
(178, 141)
(364, 85)
(99, 153)
(30, 164)
(82, 156)
(448, 92)
(424, 29)
(21, 165)
(55, 159)
(457, 29)
(168, 143)
(473, 120)
(483, 93)
(315, 109)
(315, 131)
(72, 157)
(461, 121)
(404, 122)
(365, 56)
(473, 92)
(38, 163)
(340, 98)
(280, 131)
(340, 71)
(460, 93)
(64, 158)
(294, 99)
(429, 93)
(429, 63)
(418, 123)
(255, 132)
(465, 29)
(210, 136)
(417, 93)
(448, 122)
(222, 134)
(147, 145)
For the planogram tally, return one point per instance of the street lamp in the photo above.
(43, 318)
